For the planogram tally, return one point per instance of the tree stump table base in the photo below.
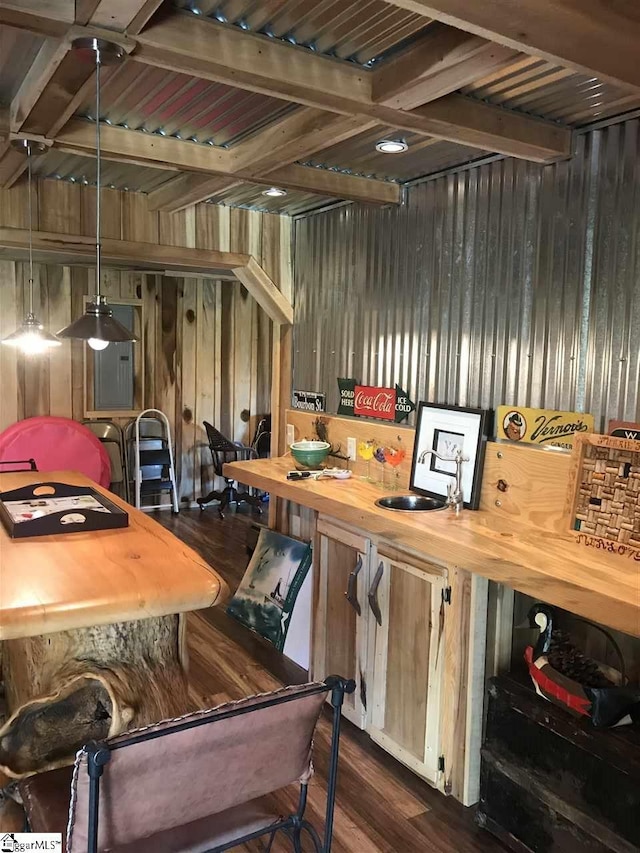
(71, 687)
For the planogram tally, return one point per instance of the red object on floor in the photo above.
(57, 444)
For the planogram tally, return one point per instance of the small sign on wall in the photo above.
(545, 427)
(625, 429)
(372, 401)
(309, 401)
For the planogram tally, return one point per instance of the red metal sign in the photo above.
(372, 402)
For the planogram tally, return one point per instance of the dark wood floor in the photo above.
(381, 806)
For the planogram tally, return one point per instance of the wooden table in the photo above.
(551, 566)
(93, 638)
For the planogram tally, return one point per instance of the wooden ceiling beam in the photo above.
(37, 78)
(190, 45)
(442, 61)
(78, 137)
(49, 92)
(187, 189)
(204, 49)
(124, 16)
(171, 259)
(494, 129)
(292, 138)
(595, 38)
(296, 137)
(41, 17)
(12, 165)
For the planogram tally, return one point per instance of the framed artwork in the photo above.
(265, 599)
(443, 430)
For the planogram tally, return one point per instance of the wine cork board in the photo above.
(605, 489)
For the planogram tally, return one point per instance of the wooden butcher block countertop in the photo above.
(76, 580)
(553, 567)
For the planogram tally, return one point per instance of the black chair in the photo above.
(223, 450)
(27, 465)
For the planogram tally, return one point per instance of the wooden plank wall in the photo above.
(207, 347)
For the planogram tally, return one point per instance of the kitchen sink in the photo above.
(410, 503)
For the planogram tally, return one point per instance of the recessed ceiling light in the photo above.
(274, 192)
(391, 146)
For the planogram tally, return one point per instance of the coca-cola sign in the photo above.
(372, 402)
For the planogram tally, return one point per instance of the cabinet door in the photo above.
(406, 614)
(340, 613)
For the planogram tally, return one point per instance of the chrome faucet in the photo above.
(455, 500)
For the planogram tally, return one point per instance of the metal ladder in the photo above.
(154, 468)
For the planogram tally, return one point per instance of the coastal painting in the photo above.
(267, 594)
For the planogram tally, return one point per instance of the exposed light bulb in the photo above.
(274, 192)
(97, 343)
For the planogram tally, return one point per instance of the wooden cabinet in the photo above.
(407, 615)
(341, 566)
(411, 633)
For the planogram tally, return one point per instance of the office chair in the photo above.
(223, 450)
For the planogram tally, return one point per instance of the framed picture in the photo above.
(265, 599)
(444, 430)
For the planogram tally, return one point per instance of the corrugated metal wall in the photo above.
(508, 282)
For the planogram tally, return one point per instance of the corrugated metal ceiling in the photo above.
(292, 204)
(549, 91)
(361, 31)
(120, 176)
(18, 49)
(141, 97)
(358, 156)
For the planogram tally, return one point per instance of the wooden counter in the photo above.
(77, 580)
(547, 565)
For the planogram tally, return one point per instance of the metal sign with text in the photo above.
(372, 401)
(309, 401)
(546, 427)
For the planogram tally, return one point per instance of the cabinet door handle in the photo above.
(352, 586)
(373, 594)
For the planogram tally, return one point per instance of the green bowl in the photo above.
(309, 454)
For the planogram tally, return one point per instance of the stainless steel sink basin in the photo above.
(410, 503)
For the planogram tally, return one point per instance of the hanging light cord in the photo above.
(30, 231)
(98, 178)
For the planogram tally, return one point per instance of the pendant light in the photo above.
(97, 325)
(30, 338)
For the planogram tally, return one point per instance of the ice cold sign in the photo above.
(369, 401)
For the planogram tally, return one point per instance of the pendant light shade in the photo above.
(97, 325)
(30, 338)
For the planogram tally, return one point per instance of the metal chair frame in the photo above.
(108, 432)
(98, 755)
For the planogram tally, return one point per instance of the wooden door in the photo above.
(340, 612)
(407, 614)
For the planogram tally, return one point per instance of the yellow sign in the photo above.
(546, 427)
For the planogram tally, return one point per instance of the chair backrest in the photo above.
(23, 465)
(178, 771)
(217, 441)
(106, 431)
